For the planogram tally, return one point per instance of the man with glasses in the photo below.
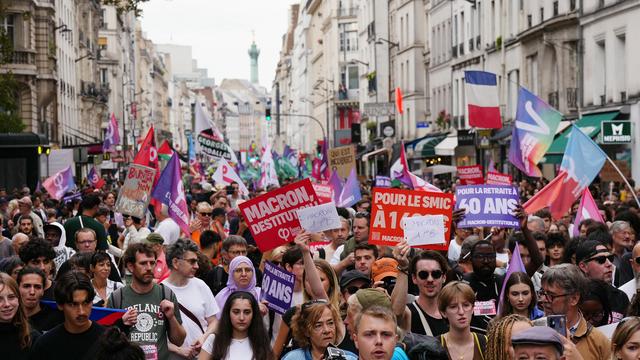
(343, 258)
(88, 209)
(428, 272)
(85, 241)
(198, 307)
(351, 281)
(596, 262)
(152, 309)
(563, 288)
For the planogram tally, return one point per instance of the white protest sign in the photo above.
(319, 218)
(424, 230)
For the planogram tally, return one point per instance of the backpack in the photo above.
(118, 296)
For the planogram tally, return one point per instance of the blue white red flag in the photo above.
(169, 190)
(101, 315)
(60, 183)
(583, 159)
(481, 91)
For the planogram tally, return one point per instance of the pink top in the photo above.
(161, 271)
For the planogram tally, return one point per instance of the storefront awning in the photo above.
(506, 130)
(383, 151)
(427, 146)
(448, 146)
(588, 124)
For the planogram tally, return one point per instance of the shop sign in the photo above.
(616, 132)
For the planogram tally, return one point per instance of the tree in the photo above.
(124, 6)
(10, 120)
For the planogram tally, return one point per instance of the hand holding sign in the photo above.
(424, 230)
(319, 218)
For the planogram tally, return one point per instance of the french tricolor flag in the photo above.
(481, 91)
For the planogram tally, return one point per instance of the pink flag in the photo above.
(587, 210)
(60, 183)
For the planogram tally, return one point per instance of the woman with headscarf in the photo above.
(242, 277)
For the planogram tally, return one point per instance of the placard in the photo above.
(424, 230)
(134, 195)
(391, 205)
(470, 175)
(324, 192)
(496, 178)
(383, 181)
(342, 159)
(277, 287)
(488, 205)
(319, 218)
(272, 217)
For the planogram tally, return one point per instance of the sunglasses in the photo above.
(435, 274)
(602, 259)
(206, 213)
(354, 289)
(637, 260)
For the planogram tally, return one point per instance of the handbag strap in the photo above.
(191, 316)
(425, 324)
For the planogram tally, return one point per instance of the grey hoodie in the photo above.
(63, 252)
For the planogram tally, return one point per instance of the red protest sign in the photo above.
(272, 217)
(391, 205)
(470, 175)
(324, 192)
(496, 178)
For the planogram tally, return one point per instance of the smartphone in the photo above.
(558, 323)
(229, 190)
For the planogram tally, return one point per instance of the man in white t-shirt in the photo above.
(455, 246)
(629, 287)
(167, 227)
(198, 307)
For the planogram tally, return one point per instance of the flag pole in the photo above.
(633, 192)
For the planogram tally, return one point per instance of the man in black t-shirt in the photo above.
(78, 336)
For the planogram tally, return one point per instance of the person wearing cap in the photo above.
(161, 270)
(25, 209)
(55, 234)
(563, 288)
(596, 262)
(538, 342)
(428, 271)
(351, 281)
(384, 273)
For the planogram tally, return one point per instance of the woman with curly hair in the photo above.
(315, 327)
(16, 335)
(499, 335)
(241, 333)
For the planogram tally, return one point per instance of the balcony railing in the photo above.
(91, 90)
(346, 12)
(23, 57)
(554, 99)
(572, 98)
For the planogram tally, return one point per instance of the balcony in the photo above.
(91, 91)
(23, 58)
(553, 99)
(347, 12)
(572, 98)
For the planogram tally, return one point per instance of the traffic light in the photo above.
(267, 114)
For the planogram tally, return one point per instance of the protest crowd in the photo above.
(213, 270)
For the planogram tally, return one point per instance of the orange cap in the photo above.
(384, 267)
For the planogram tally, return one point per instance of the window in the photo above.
(8, 25)
(348, 38)
(104, 76)
(532, 73)
(103, 22)
(621, 62)
(541, 14)
(353, 78)
(529, 20)
(600, 78)
(555, 8)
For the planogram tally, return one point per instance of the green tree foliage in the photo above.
(124, 6)
(10, 120)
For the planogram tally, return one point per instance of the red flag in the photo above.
(556, 196)
(399, 100)
(148, 156)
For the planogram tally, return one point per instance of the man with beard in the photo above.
(337, 237)
(25, 207)
(77, 337)
(31, 282)
(343, 258)
(25, 226)
(152, 309)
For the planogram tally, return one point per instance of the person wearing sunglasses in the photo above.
(596, 262)
(351, 281)
(198, 307)
(202, 222)
(428, 272)
(563, 289)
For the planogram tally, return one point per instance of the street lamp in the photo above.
(356, 61)
(89, 55)
(381, 41)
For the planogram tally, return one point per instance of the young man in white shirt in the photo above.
(167, 227)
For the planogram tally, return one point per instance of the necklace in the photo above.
(459, 355)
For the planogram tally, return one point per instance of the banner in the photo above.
(277, 287)
(324, 192)
(382, 181)
(391, 205)
(470, 175)
(272, 217)
(496, 178)
(488, 205)
(319, 218)
(134, 195)
(424, 230)
(342, 160)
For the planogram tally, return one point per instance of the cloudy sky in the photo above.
(220, 32)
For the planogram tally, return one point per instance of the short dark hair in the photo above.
(364, 246)
(344, 213)
(31, 270)
(178, 249)
(208, 238)
(233, 240)
(114, 345)
(292, 255)
(539, 236)
(89, 202)
(25, 217)
(8, 264)
(129, 256)
(363, 215)
(428, 255)
(555, 239)
(481, 242)
(98, 257)
(218, 212)
(543, 213)
(36, 248)
(69, 283)
(602, 236)
(81, 260)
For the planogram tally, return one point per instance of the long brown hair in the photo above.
(625, 330)
(20, 320)
(517, 278)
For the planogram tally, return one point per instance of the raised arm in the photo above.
(310, 271)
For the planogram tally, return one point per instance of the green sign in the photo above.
(616, 132)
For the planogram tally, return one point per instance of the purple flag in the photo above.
(94, 178)
(170, 191)
(336, 184)
(351, 192)
(111, 135)
(60, 183)
(515, 265)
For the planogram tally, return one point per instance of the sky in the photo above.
(220, 32)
